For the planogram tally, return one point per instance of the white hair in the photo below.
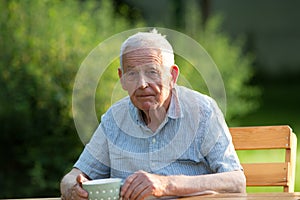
(153, 40)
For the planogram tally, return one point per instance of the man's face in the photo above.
(146, 80)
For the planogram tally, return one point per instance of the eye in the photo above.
(131, 73)
(152, 72)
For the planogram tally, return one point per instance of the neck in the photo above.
(154, 117)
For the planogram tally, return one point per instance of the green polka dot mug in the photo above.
(103, 189)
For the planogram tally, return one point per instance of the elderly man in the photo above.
(163, 139)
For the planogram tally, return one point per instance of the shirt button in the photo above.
(153, 140)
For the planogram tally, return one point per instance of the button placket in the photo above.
(153, 140)
(152, 148)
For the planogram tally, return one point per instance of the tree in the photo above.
(235, 65)
(43, 44)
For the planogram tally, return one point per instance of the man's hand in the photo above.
(79, 192)
(74, 191)
(142, 184)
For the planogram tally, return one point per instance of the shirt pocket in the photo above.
(191, 156)
(127, 161)
(190, 163)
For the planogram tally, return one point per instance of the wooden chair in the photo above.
(268, 137)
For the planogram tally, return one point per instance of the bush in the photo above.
(43, 44)
(235, 65)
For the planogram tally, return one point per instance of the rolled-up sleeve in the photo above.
(91, 166)
(94, 160)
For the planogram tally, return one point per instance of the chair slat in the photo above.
(266, 137)
(266, 174)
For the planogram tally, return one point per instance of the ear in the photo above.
(174, 70)
(120, 73)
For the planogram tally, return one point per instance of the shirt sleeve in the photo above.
(94, 160)
(218, 148)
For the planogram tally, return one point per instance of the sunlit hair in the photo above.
(153, 40)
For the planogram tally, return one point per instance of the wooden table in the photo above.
(226, 196)
(249, 196)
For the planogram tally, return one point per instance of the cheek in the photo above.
(130, 88)
(156, 87)
(130, 91)
(161, 90)
(166, 84)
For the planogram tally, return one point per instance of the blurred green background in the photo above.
(255, 45)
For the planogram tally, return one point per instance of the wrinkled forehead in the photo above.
(142, 57)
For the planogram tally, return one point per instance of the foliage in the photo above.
(42, 45)
(235, 66)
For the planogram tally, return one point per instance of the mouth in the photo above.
(145, 96)
(143, 93)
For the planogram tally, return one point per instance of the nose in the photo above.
(142, 81)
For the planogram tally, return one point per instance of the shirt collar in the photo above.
(175, 111)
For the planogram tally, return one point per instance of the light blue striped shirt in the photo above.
(192, 140)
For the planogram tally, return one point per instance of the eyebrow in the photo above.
(129, 68)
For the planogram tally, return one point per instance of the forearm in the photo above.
(221, 182)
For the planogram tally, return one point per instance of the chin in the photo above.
(145, 106)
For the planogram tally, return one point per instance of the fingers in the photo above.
(132, 187)
(77, 192)
(80, 193)
(125, 188)
(141, 192)
(80, 179)
(140, 185)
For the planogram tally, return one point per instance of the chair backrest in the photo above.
(268, 137)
